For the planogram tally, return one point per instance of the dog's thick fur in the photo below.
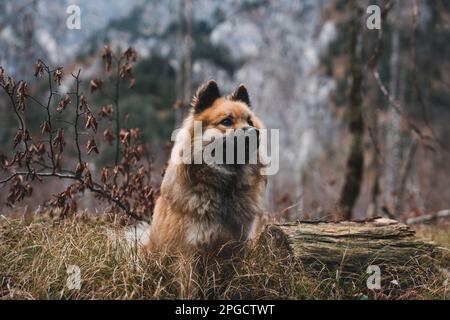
(203, 207)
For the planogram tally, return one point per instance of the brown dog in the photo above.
(204, 206)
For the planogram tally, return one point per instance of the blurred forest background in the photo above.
(295, 58)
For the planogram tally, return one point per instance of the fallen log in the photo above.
(348, 249)
(428, 218)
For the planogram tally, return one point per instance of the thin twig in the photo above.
(417, 87)
(22, 125)
(49, 117)
(116, 103)
(72, 176)
(77, 115)
(372, 66)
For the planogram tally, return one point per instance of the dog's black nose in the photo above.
(250, 131)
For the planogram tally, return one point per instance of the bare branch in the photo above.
(77, 115)
(372, 66)
(420, 97)
(49, 117)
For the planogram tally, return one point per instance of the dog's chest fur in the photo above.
(217, 205)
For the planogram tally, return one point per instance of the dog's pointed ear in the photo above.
(241, 94)
(205, 96)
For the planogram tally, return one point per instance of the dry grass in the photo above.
(35, 255)
(440, 233)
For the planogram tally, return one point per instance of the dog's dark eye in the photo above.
(226, 122)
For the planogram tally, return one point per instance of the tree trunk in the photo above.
(355, 160)
(179, 86)
(393, 138)
(375, 163)
(188, 54)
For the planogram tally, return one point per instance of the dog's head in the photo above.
(228, 120)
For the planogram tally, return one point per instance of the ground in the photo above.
(37, 255)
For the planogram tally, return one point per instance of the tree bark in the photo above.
(394, 137)
(355, 160)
